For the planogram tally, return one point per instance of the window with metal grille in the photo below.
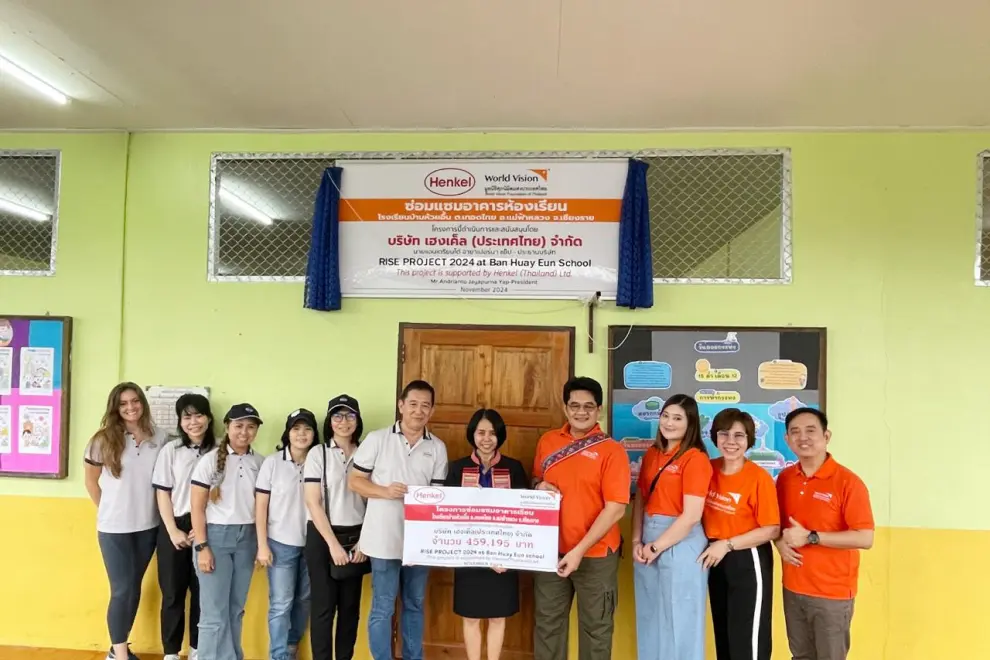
(28, 212)
(983, 221)
(261, 212)
(720, 216)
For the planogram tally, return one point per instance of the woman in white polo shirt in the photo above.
(335, 514)
(173, 480)
(280, 518)
(222, 508)
(119, 461)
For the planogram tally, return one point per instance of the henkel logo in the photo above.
(449, 182)
(428, 495)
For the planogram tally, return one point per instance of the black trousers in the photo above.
(176, 576)
(328, 597)
(740, 590)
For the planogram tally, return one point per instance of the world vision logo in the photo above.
(543, 174)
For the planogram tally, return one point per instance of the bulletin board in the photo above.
(766, 372)
(35, 359)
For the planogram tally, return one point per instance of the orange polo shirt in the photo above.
(690, 474)
(586, 481)
(832, 500)
(739, 503)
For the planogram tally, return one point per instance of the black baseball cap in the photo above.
(344, 401)
(300, 415)
(242, 411)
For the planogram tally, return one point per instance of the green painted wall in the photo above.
(883, 228)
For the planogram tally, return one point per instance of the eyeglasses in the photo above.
(340, 417)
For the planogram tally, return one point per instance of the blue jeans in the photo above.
(386, 576)
(224, 591)
(288, 599)
(671, 596)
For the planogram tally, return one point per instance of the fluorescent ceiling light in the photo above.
(23, 211)
(32, 81)
(245, 208)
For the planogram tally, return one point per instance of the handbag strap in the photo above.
(653, 486)
(326, 488)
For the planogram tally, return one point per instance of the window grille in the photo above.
(720, 216)
(29, 184)
(261, 213)
(983, 220)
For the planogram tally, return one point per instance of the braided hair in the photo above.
(222, 451)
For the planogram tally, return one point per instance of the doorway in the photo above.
(519, 371)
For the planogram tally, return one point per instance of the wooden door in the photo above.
(520, 372)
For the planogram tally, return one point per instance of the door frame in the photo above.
(404, 325)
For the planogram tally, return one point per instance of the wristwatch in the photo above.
(813, 538)
(653, 548)
(728, 544)
(200, 546)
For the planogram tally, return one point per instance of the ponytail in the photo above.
(221, 466)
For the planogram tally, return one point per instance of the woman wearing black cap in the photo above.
(335, 514)
(226, 542)
(280, 518)
(485, 593)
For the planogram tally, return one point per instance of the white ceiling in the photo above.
(510, 64)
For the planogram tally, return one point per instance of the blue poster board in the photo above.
(766, 372)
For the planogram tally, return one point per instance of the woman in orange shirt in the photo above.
(741, 519)
(670, 582)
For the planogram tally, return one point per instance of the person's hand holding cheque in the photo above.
(396, 490)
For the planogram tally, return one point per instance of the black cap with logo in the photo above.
(242, 411)
(301, 415)
(344, 401)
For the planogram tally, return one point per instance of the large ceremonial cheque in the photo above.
(511, 528)
(480, 229)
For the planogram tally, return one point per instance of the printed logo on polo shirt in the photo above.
(673, 468)
(587, 453)
(720, 502)
(824, 497)
(735, 496)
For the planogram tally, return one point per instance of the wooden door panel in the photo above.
(520, 373)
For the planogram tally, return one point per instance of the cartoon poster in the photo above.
(766, 373)
(34, 430)
(6, 369)
(5, 431)
(37, 370)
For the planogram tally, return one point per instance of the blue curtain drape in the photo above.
(635, 287)
(322, 291)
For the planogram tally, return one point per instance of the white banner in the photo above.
(456, 527)
(480, 229)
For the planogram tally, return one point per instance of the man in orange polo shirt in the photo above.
(825, 510)
(591, 472)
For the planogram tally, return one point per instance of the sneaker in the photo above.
(130, 656)
(193, 655)
(171, 656)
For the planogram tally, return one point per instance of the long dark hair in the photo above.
(197, 403)
(692, 434)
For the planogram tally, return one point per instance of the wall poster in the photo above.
(766, 372)
(35, 357)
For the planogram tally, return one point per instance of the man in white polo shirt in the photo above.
(385, 464)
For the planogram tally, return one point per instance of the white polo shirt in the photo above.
(173, 474)
(127, 503)
(281, 479)
(346, 508)
(386, 455)
(236, 505)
